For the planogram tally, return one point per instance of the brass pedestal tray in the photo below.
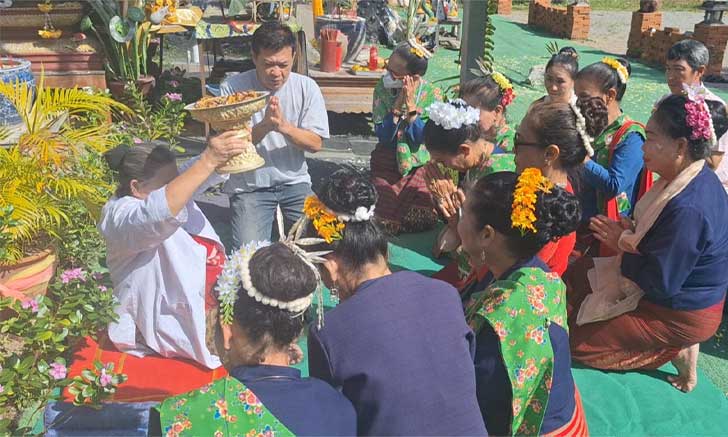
(233, 112)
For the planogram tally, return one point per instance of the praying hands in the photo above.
(608, 231)
(448, 197)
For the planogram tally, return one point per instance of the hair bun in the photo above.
(558, 212)
(346, 190)
(115, 157)
(569, 51)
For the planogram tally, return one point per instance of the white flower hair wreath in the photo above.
(449, 116)
(581, 126)
(236, 271)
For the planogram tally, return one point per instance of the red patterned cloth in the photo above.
(577, 426)
(645, 338)
(151, 378)
(405, 204)
(215, 262)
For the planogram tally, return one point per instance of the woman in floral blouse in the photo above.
(401, 99)
(262, 395)
(522, 360)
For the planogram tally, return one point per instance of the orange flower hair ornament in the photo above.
(327, 225)
(523, 213)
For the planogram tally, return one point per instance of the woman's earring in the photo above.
(334, 295)
(482, 256)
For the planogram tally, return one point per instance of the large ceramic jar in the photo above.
(355, 29)
(12, 70)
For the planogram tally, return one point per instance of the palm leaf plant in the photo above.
(52, 164)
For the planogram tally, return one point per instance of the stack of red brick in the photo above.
(504, 7)
(650, 43)
(570, 22)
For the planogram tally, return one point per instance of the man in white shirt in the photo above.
(686, 63)
(294, 122)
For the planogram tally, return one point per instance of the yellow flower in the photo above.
(502, 81)
(417, 52)
(326, 224)
(530, 182)
(618, 67)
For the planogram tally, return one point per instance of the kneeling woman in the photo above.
(262, 395)
(397, 345)
(675, 252)
(522, 361)
(162, 253)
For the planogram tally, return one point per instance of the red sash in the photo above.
(611, 209)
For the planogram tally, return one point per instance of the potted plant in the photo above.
(125, 36)
(44, 174)
(11, 70)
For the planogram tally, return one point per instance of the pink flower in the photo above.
(173, 97)
(2, 389)
(137, 140)
(32, 304)
(58, 371)
(698, 118)
(103, 289)
(105, 378)
(173, 83)
(73, 274)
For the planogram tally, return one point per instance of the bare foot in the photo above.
(295, 354)
(686, 363)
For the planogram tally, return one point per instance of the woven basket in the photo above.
(229, 117)
(233, 117)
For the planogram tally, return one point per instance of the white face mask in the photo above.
(390, 83)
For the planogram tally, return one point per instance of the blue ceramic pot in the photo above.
(355, 29)
(12, 70)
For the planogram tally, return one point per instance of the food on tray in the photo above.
(239, 97)
(364, 68)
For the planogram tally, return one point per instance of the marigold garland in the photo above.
(327, 225)
(523, 214)
(618, 67)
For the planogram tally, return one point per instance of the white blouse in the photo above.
(158, 272)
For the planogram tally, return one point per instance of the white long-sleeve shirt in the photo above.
(158, 272)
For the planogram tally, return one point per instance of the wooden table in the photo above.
(345, 92)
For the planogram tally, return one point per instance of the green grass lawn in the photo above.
(627, 5)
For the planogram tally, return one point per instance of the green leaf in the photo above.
(135, 14)
(43, 336)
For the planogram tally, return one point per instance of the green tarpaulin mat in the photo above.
(616, 403)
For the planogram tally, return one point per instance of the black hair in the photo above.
(568, 58)
(415, 65)
(439, 139)
(555, 123)
(557, 213)
(278, 273)
(671, 116)
(606, 77)
(485, 90)
(691, 51)
(140, 162)
(362, 242)
(273, 36)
